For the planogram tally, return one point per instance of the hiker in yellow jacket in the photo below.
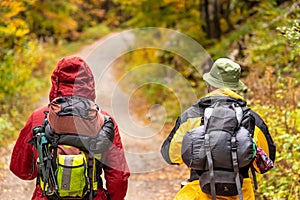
(222, 80)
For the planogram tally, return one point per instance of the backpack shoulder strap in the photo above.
(238, 112)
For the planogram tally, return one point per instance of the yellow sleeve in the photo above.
(175, 145)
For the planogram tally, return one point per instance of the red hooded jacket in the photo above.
(72, 76)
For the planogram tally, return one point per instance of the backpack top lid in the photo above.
(74, 115)
(77, 122)
(225, 117)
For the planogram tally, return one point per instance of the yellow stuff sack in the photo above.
(72, 176)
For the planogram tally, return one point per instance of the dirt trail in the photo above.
(151, 178)
(11, 187)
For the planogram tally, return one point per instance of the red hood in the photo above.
(72, 77)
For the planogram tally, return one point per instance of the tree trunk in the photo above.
(226, 16)
(210, 14)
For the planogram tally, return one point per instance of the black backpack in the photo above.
(222, 148)
(70, 142)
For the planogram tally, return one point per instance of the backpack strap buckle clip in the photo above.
(233, 143)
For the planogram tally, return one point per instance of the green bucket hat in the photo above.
(225, 74)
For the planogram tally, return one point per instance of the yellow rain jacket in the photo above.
(190, 119)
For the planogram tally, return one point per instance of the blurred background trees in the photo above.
(263, 36)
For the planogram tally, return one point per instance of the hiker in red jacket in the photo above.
(72, 77)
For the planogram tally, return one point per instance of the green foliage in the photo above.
(6, 128)
(292, 34)
(220, 49)
(19, 60)
(94, 32)
(282, 182)
(56, 20)
(175, 14)
(51, 18)
(89, 13)
(16, 72)
(279, 108)
(19, 57)
(13, 29)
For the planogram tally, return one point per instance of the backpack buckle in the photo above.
(234, 147)
(233, 143)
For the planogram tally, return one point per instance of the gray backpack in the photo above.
(220, 147)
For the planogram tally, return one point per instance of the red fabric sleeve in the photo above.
(23, 158)
(24, 155)
(116, 171)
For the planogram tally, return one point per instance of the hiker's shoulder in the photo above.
(41, 109)
(39, 113)
(259, 121)
(103, 112)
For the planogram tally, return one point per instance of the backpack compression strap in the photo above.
(208, 113)
(235, 166)
(210, 166)
(239, 115)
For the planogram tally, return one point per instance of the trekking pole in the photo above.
(51, 171)
(39, 145)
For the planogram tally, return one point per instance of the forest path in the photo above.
(151, 178)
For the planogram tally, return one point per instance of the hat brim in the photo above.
(220, 84)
